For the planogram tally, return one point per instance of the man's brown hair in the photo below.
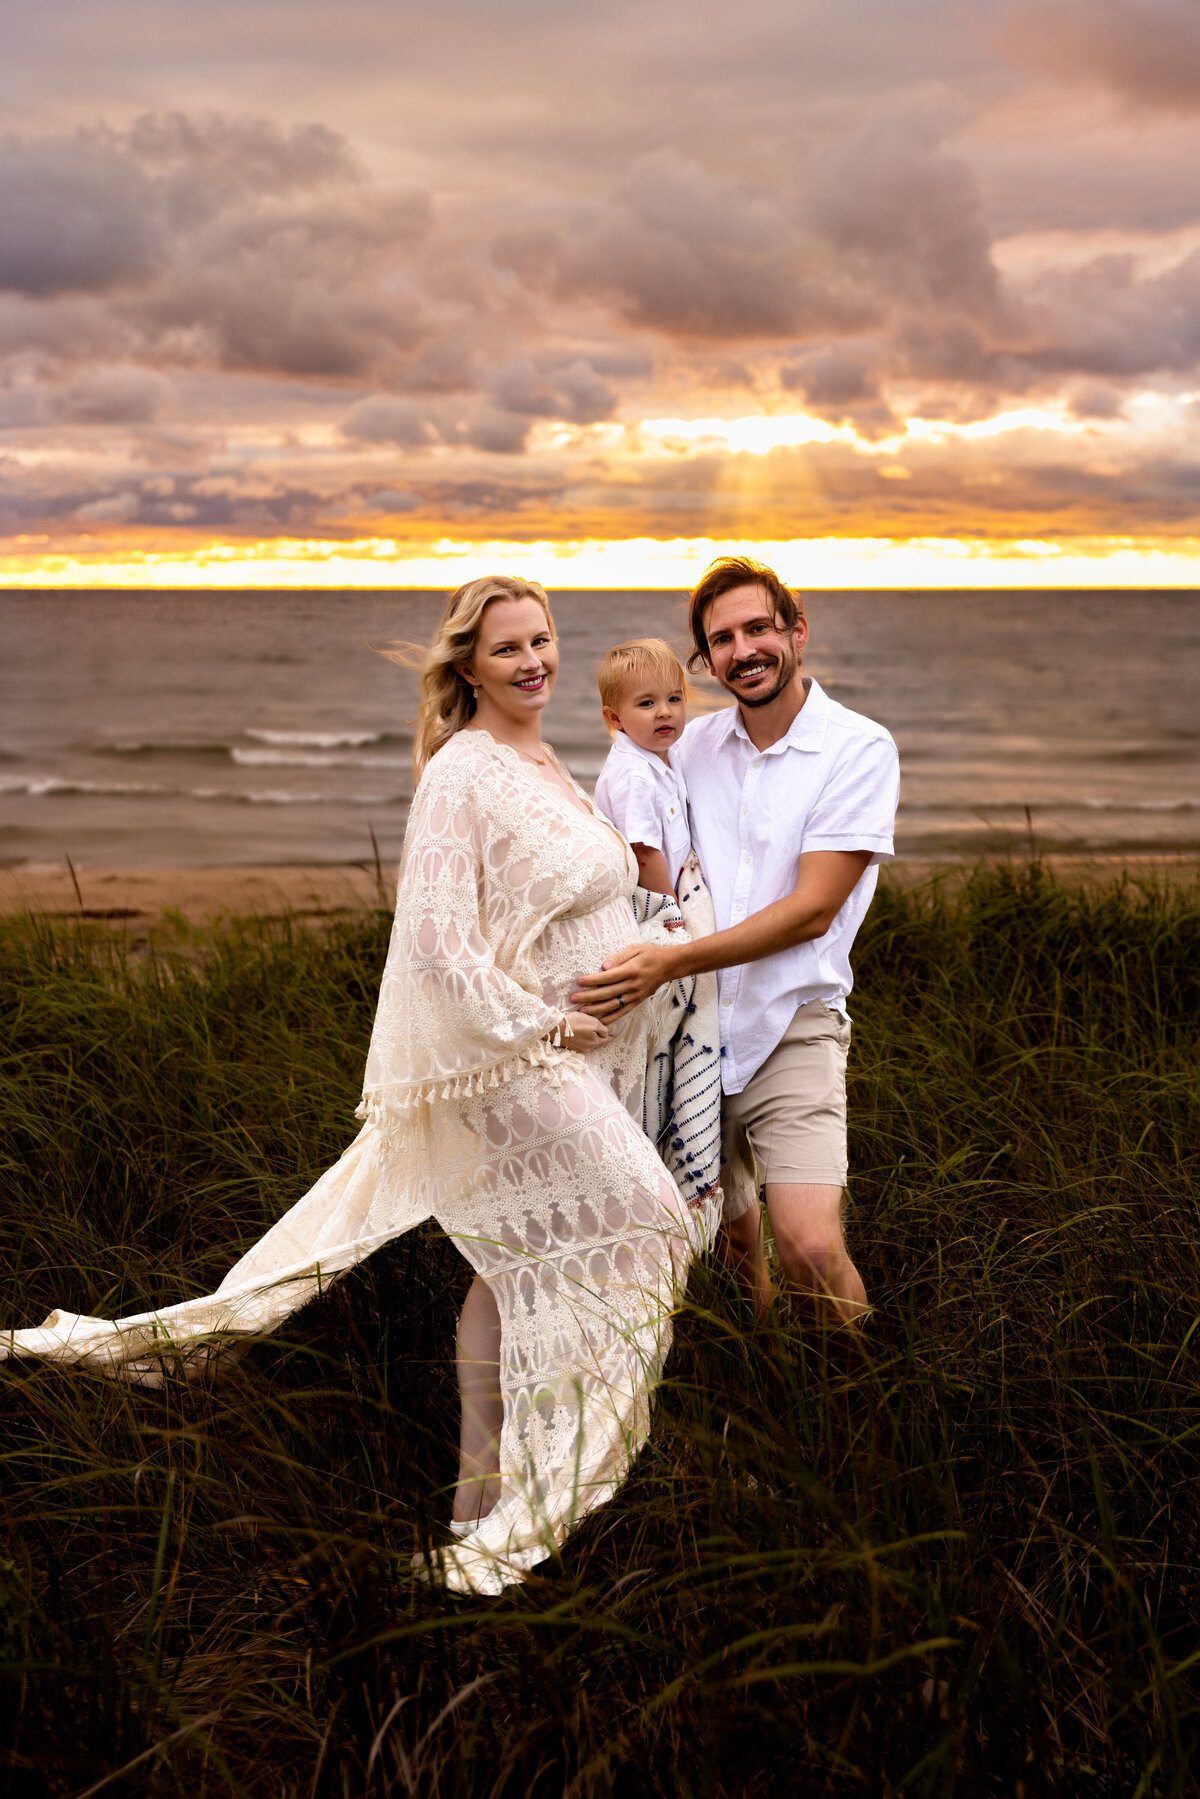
(737, 571)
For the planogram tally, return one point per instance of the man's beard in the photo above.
(788, 664)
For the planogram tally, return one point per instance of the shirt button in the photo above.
(726, 1002)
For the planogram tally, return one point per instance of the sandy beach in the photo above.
(129, 896)
(197, 894)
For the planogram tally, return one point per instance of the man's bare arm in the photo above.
(824, 882)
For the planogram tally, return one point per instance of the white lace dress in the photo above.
(530, 1156)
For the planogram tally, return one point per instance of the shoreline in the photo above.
(126, 897)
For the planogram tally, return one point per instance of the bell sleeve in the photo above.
(454, 1015)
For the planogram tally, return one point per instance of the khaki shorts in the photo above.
(788, 1125)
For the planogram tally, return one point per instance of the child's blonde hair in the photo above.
(641, 659)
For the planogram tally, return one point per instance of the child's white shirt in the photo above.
(645, 798)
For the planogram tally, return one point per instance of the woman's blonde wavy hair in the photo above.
(447, 697)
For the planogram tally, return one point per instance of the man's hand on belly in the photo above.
(825, 881)
(627, 978)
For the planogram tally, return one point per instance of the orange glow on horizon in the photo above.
(631, 563)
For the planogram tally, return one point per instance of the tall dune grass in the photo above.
(956, 1555)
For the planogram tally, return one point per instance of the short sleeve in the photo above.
(856, 807)
(626, 795)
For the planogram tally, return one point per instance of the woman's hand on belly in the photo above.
(583, 1033)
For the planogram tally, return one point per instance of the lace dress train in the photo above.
(531, 1157)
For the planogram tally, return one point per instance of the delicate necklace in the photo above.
(538, 761)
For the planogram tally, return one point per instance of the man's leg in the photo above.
(806, 1223)
(793, 1113)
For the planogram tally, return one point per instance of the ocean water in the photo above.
(189, 729)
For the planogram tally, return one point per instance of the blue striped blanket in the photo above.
(682, 1106)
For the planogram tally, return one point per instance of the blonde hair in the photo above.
(447, 697)
(641, 659)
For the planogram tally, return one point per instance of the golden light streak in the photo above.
(630, 563)
(755, 436)
(759, 435)
(1026, 418)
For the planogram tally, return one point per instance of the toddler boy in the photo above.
(643, 690)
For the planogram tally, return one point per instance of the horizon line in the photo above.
(390, 587)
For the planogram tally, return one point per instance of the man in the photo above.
(793, 800)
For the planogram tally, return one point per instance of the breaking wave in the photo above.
(41, 787)
(325, 740)
(289, 758)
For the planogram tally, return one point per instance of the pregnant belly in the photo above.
(573, 946)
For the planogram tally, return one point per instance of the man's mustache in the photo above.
(756, 662)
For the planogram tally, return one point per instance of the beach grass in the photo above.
(958, 1553)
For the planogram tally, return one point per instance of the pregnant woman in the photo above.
(491, 1107)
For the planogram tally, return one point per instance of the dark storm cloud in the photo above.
(204, 160)
(386, 419)
(880, 223)
(686, 251)
(1109, 318)
(474, 424)
(390, 419)
(445, 366)
(114, 509)
(1094, 400)
(842, 383)
(294, 288)
(426, 412)
(226, 241)
(571, 391)
(79, 215)
(373, 506)
(1146, 50)
(894, 199)
(114, 397)
(840, 376)
(98, 209)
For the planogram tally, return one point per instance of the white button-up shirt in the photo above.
(645, 799)
(832, 783)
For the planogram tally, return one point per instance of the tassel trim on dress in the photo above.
(393, 1111)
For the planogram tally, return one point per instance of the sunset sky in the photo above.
(901, 292)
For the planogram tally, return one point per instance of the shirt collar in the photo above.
(624, 745)
(807, 729)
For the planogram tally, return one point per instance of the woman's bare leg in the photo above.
(478, 1359)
